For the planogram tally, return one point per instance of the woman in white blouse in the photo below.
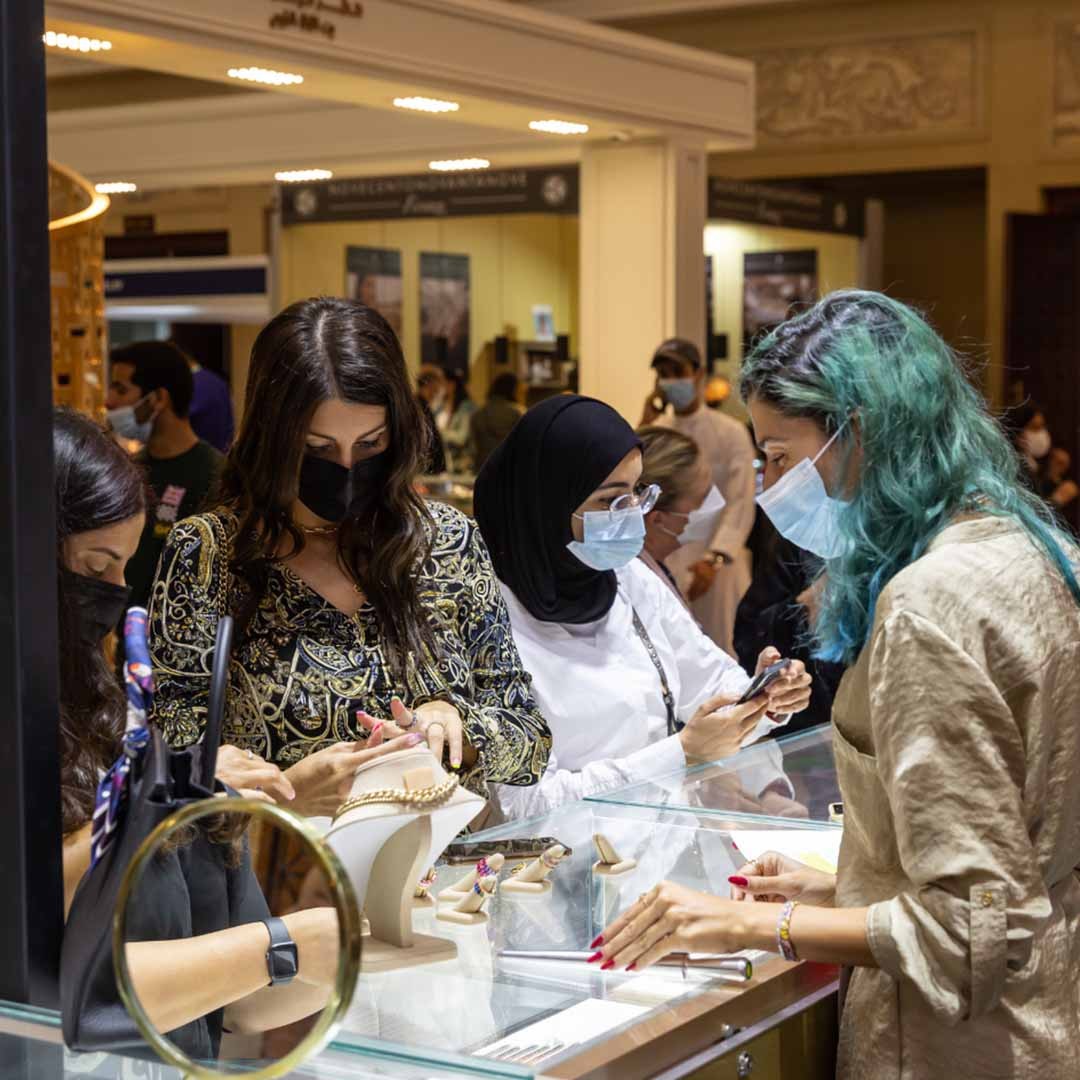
(630, 686)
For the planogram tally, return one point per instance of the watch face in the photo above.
(284, 962)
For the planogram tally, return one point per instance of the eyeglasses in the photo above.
(642, 498)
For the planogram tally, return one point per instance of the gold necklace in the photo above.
(316, 530)
(422, 797)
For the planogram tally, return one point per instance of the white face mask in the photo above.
(700, 524)
(802, 511)
(124, 422)
(1037, 443)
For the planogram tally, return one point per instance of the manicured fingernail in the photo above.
(734, 846)
(376, 727)
(595, 956)
(607, 966)
(633, 966)
(597, 942)
(365, 720)
(738, 881)
(455, 763)
(414, 738)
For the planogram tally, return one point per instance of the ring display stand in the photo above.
(483, 869)
(469, 910)
(402, 812)
(610, 863)
(532, 880)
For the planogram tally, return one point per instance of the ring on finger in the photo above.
(250, 754)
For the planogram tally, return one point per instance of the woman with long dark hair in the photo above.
(358, 605)
(953, 597)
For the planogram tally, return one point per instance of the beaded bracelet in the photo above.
(783, 931)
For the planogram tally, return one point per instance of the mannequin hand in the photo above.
(252, 776)
(719, 726)
(669, 919)
(774, 878)
(791, 692)
(322, 780)
(315, 932)
(704, 575)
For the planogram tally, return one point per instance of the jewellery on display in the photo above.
(485, 869)
(532, 877)
(610, 863)
(422, 797)
(783, 931)
(469, 909)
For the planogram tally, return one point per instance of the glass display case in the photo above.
(506, 1008)
(806, 791)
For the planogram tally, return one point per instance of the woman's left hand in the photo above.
(669, 919)
(791, 692)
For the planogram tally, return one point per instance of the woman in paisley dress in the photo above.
(362, 612)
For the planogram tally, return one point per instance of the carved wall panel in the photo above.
(918, 85)
(1066, 122)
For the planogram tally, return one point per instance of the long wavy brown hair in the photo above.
(318, 350)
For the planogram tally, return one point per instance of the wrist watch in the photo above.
(282, 958)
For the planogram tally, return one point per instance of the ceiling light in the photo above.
(265, 76)
(460, 164)
(115, 187)
(559, 127)
(75, 43)
(300, 176)
(426, 104)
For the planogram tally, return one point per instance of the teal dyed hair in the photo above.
(931, 450)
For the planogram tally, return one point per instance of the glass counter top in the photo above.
(790, 781)
(461, 1012)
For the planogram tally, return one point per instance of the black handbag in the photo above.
(161, 780)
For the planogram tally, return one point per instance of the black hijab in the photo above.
(559, 452)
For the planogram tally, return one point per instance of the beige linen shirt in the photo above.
(957, 737)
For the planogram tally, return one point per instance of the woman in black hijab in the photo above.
(628, 683)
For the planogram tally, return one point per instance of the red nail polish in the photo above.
(633, 966)
(738, 881)
(595, 956)
(609, 964)
(597, 941)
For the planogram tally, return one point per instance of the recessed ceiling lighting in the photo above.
(75, 43)
(426, 104)
(559, 127)
(300, 176)
(266, 76)
(115, 187)
(460, 164)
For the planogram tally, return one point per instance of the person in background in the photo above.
(455, 422)
(1056, 485)
(359, 607)
(1031, 436)
(211, 408)
(954, 599)
(718, 569)
(629, 684)
(778, 609)
(149, 400)
(688, 504)
(430, 394)
(492, 422)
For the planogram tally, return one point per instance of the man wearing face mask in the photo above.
(715, 572)
(149, 399)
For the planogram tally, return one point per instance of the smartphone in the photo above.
(763, 681)
(517, 848)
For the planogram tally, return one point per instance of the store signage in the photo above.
(790, 207)
(201, 281)
(499, 191)
(307, 15)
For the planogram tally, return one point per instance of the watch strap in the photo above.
(282, 957)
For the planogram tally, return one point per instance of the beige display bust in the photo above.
(402, 812)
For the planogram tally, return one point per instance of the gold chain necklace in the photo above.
(421, 798)
(316, 530)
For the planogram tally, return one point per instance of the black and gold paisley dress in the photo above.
(304, 668)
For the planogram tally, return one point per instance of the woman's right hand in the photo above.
(322, 780)
(719, 727)
(775, 879)
(318, 946)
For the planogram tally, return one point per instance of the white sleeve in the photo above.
(737, 486)
(558, 786)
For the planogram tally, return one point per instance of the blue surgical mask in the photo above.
(125, 424)
(803, 512)
(679, 393)
(613, 539)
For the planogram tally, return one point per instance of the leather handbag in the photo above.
(157, 781)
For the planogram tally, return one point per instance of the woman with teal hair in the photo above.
(955, 600)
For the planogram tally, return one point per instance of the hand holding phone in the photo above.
(764, 680)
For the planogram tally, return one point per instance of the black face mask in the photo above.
(98, 605)
(334, 493)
